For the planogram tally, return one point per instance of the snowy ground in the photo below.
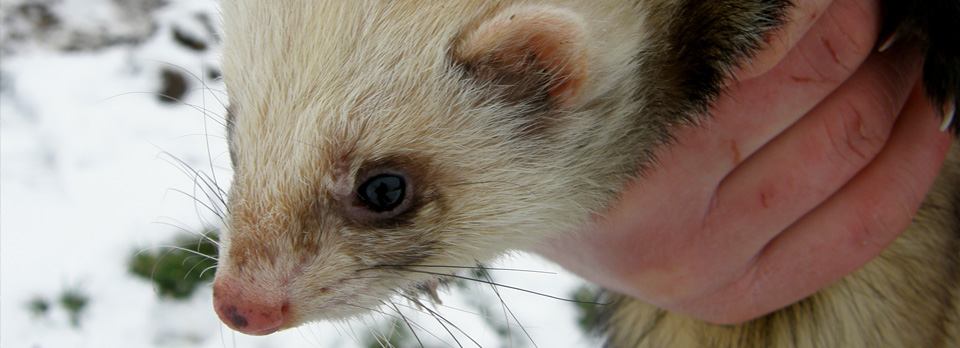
(84, 182)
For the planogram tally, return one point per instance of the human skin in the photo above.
(816, 159)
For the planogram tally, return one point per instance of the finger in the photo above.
(872, 210)
(813, 159)
(755, 111)
(736, 123)
(799, 19)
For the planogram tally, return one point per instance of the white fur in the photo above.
(311, 81)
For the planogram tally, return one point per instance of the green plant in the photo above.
(74, 300)
(392, 334)
(38, 306)
(588, 310)
(178, 270)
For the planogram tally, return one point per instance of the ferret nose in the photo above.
(248, 313)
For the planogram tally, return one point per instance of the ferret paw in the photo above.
(941, 82)
(932, 26)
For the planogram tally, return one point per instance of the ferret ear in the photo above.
(534, 54)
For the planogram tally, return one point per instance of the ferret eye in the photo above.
(383, 192)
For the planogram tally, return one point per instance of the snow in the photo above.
(87, 179)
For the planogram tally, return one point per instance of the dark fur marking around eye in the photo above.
(407, 183)
(384, 192)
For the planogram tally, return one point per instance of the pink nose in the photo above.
(248, 313)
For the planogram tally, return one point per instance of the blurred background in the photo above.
(111, 149)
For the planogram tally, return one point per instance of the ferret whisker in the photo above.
(200, 202)
(212, 205)
(188, 72)
(195, 265)
(223, 340)
(366, 308)
(194, 252)
(407, 322)
(214, 187)
(206, 139)
(211, 186)
(419, 307)
(207, 114)
(373, 331)
(477, 314)
(440, 319)
(178, 100)
(341, 328)
(200, 134)
(313, 337)
(153, 270)
(203, 236)
(381, 338)
(506, 309)
(214, 136)
(466, 267)
(199, 177)
(370, 329)
(208, 268)
(374, 277)
(490, 318)
(375, 310)
(195, 174)
(180, 164)
(344, 328)
(498, 284)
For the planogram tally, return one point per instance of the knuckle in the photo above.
(857, 139)
(855, 30)
(841, 43)
(864, 232)
(882, 218)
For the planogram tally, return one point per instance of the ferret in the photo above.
(373, 139)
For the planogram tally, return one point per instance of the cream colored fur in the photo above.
(314, 95)
(320, 89)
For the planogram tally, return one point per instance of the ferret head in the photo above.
(372, 140)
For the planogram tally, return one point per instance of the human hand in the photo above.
(816, 159)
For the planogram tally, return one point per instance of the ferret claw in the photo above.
(948, 115)
(892, 39)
